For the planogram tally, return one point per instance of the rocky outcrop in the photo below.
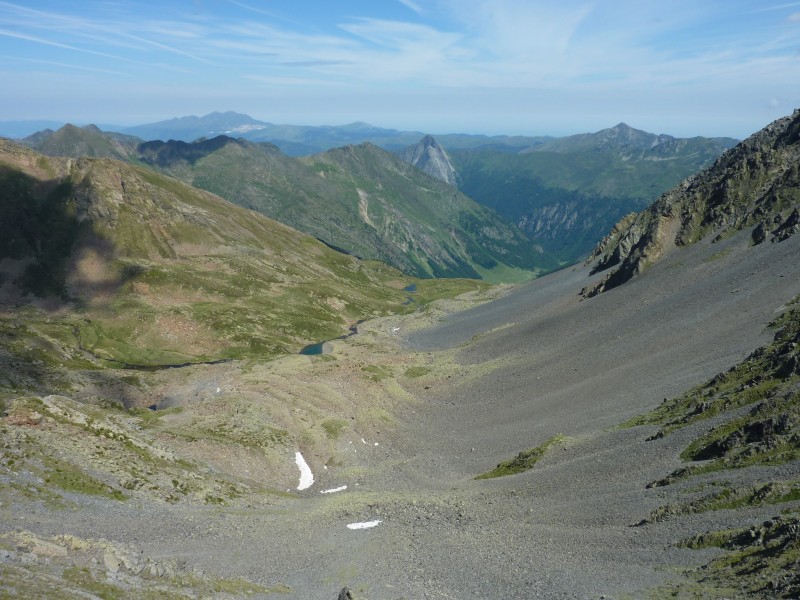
(761, 559)
(430, 157)
(756, 184)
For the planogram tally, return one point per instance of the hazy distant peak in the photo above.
(190, 128)
(358, 125)
(228, 113)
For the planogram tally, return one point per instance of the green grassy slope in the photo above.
(111, 277)
(149, 271)
(88, 141)
(360, 199)
(566, 193)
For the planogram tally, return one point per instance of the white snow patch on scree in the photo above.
(334, 490)
(365, 525)
(306, 476)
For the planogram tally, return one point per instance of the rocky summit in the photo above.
(430, 157)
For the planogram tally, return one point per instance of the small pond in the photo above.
(326, 347)
(318, 348)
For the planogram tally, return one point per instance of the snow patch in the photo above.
(364, 525)
(334, 490)
(306, 476)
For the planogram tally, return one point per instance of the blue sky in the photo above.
(695, 67)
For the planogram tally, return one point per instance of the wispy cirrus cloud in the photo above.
(46, 42)
(412, 5)
(54, 63)
(525, 55)
(109, 33)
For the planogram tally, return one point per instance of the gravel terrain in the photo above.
(504, 376)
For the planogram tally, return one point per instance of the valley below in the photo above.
(407, 413)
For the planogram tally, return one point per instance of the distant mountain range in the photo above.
(566, 193)
(358, 199)
(563, 194)
(294, 140)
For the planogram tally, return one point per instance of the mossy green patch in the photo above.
(524, 461)
(378, 372)
(334, 427)
(756, 405)
(151, 418)
(417, 371)
(768, 433)
(83, 578)
(727, 497)
(70, 478)
(767, 372)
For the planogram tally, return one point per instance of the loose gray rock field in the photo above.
(504, 376)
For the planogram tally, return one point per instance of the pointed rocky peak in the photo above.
(69, 128)
(428, 156)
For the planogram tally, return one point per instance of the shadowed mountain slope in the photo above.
(756, 184)
(166, 273)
